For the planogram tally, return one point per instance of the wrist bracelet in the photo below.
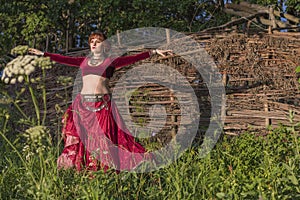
(154, 51)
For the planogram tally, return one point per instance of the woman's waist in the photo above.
(97, 97)
(95, 90)
(91, 91)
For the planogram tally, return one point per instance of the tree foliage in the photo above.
(54, 25)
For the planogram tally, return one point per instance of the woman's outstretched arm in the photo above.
(67, 60)
(127, 60)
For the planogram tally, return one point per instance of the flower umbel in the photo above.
(23, 65)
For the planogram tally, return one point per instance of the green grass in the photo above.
(243, 167)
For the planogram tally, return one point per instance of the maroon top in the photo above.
(105, 69)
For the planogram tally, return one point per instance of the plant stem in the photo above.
(37, 112)
(17, 106)
(20, 110)
(4, 125)
(44, 98)
(296, 140)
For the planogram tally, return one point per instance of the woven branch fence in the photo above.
(258, 72)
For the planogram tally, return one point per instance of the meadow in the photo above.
(249, 166)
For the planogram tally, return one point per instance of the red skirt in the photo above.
(96, 140)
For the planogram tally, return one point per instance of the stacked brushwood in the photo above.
(261, 83)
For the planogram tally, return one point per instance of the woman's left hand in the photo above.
(163, 53)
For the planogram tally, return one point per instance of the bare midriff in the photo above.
(95, 84)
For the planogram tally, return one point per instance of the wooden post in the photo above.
(119, 38)
(234, 28)
(248, 26)
(47, 42)
(67, 31)
(223, 108)
(168, 35)
(173, 118)
(266, 108)
(224, 79)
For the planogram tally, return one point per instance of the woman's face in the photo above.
(96, 45)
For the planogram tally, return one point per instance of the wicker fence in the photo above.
(258, 72)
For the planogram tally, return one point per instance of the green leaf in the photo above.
(221, 195)
(287, 167)
(298, 69)
(293, 179)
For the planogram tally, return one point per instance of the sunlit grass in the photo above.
(244, 167)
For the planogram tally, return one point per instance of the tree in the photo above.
(55, 25)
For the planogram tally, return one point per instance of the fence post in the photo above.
(224, 78)
(223, 107)
(168, 35)
(266, 108)
(119, 38)
(173, 118)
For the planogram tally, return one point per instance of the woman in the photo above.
(95, 135)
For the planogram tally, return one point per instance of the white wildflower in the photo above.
(13, 81)
(6, 80)
(21, 71)
(28, 71)
(20, 79)
(34, 62)
(9, 74)
(23, 65)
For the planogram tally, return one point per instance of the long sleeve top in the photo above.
(105, 69)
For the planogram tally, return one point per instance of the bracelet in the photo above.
(154, 51)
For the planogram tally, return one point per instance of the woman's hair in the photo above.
(102, 37)
(98, 35)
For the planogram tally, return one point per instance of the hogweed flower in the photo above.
(65, 80)
(23, 65)
(37, 140)
(21, 49)
(36, 133)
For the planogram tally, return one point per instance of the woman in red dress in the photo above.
(95, 135)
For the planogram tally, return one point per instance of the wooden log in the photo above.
(263, 114)
(239, 7)
(236, 22)
(254, 7)
(272, 18)
(276, 12)
(259, 19)
(287, 16)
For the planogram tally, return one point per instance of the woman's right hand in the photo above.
(35, 51)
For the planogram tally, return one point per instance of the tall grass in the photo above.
(249, 166)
